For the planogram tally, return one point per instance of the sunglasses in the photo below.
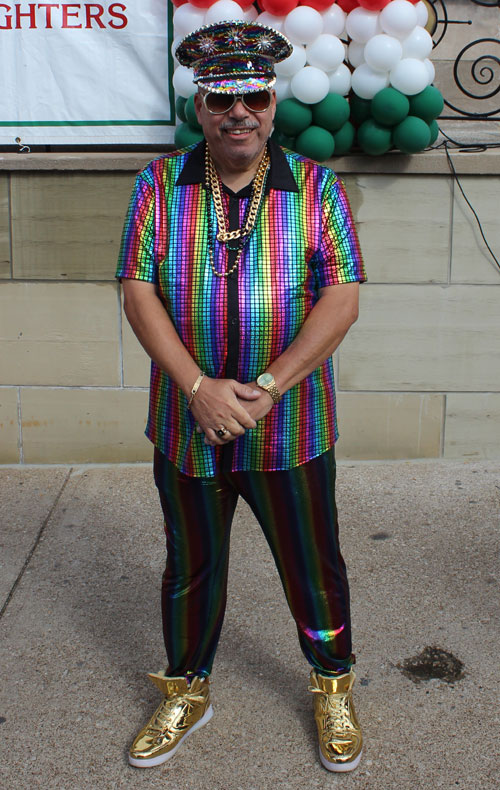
(219, 103)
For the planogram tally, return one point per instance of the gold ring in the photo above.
(222, 432)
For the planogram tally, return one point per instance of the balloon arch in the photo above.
(360, 74)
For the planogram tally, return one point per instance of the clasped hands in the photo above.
(224, 409)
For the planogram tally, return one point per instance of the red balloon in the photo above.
(347, 5)
(201, 3)
(279, 7)
(177, 3)
(374, 5)
(318, 5)
(246, 4)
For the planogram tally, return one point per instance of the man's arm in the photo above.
(322, 332)
(217, 401)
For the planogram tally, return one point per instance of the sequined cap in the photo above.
(233, 57)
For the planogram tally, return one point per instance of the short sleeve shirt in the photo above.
(304, 239)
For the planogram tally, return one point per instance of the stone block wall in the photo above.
(418, 376)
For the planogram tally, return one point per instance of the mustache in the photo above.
(230, 125)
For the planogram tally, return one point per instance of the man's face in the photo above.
(238, 136)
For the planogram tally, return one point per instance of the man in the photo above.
(240, 268)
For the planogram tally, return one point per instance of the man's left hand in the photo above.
(261, 406)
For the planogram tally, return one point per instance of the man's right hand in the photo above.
(216, 406)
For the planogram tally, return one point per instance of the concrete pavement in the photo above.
(81, 559)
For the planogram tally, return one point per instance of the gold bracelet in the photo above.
(195, 387)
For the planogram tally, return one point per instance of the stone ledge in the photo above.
(428, 162)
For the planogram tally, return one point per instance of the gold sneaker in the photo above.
(339, 733)
(186, 708)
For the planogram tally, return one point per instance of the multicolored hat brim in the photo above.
(238, 86)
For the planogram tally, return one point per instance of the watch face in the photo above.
(265, 379)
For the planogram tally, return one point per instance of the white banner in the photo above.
(86, 73)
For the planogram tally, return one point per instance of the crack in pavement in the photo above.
(35, 545)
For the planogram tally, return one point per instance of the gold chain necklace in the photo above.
(224, 235)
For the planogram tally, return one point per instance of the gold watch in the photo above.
(266, 382)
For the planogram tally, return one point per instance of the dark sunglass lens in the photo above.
(258, 101)
(218, 102)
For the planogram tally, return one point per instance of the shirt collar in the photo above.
(280, 176)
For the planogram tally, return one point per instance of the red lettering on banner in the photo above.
(8, 18)
(94, 15)
(30, 13)
(66, 13)
(70, 17)
(117, 15)
(48, 13)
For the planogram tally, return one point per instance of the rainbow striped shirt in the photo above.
(304, 239)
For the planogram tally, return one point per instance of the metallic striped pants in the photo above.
(297, 512)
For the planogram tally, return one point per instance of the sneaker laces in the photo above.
(336, 711)
(162, 719)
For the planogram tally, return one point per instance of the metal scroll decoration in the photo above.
(474, 93)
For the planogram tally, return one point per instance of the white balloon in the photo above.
(334, 20)
(223, 10)
(366, 82)
(292, 64)
(418, 44)
(183, 81)
(303, 24)
(326, 52)
(356, 53)
(175, 43)
(422, 13)
(270, 20)
(282, 88)
(340, 80)
(409, 76)
(361, 24)
(429, 65)
(251, 14)
(398, 18)
(310, 85)
(382, 52)
(188, 18)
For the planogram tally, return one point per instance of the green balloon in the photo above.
(292, 117)
(185, 135)
(180, 104)
(283, 139)
(360, 109)
(344, 139)
(412, 135)
(390, 106)
(433, 126)
(428, 104)
(190, 113)
(316, 143)
(331, 113)
(373, 138)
